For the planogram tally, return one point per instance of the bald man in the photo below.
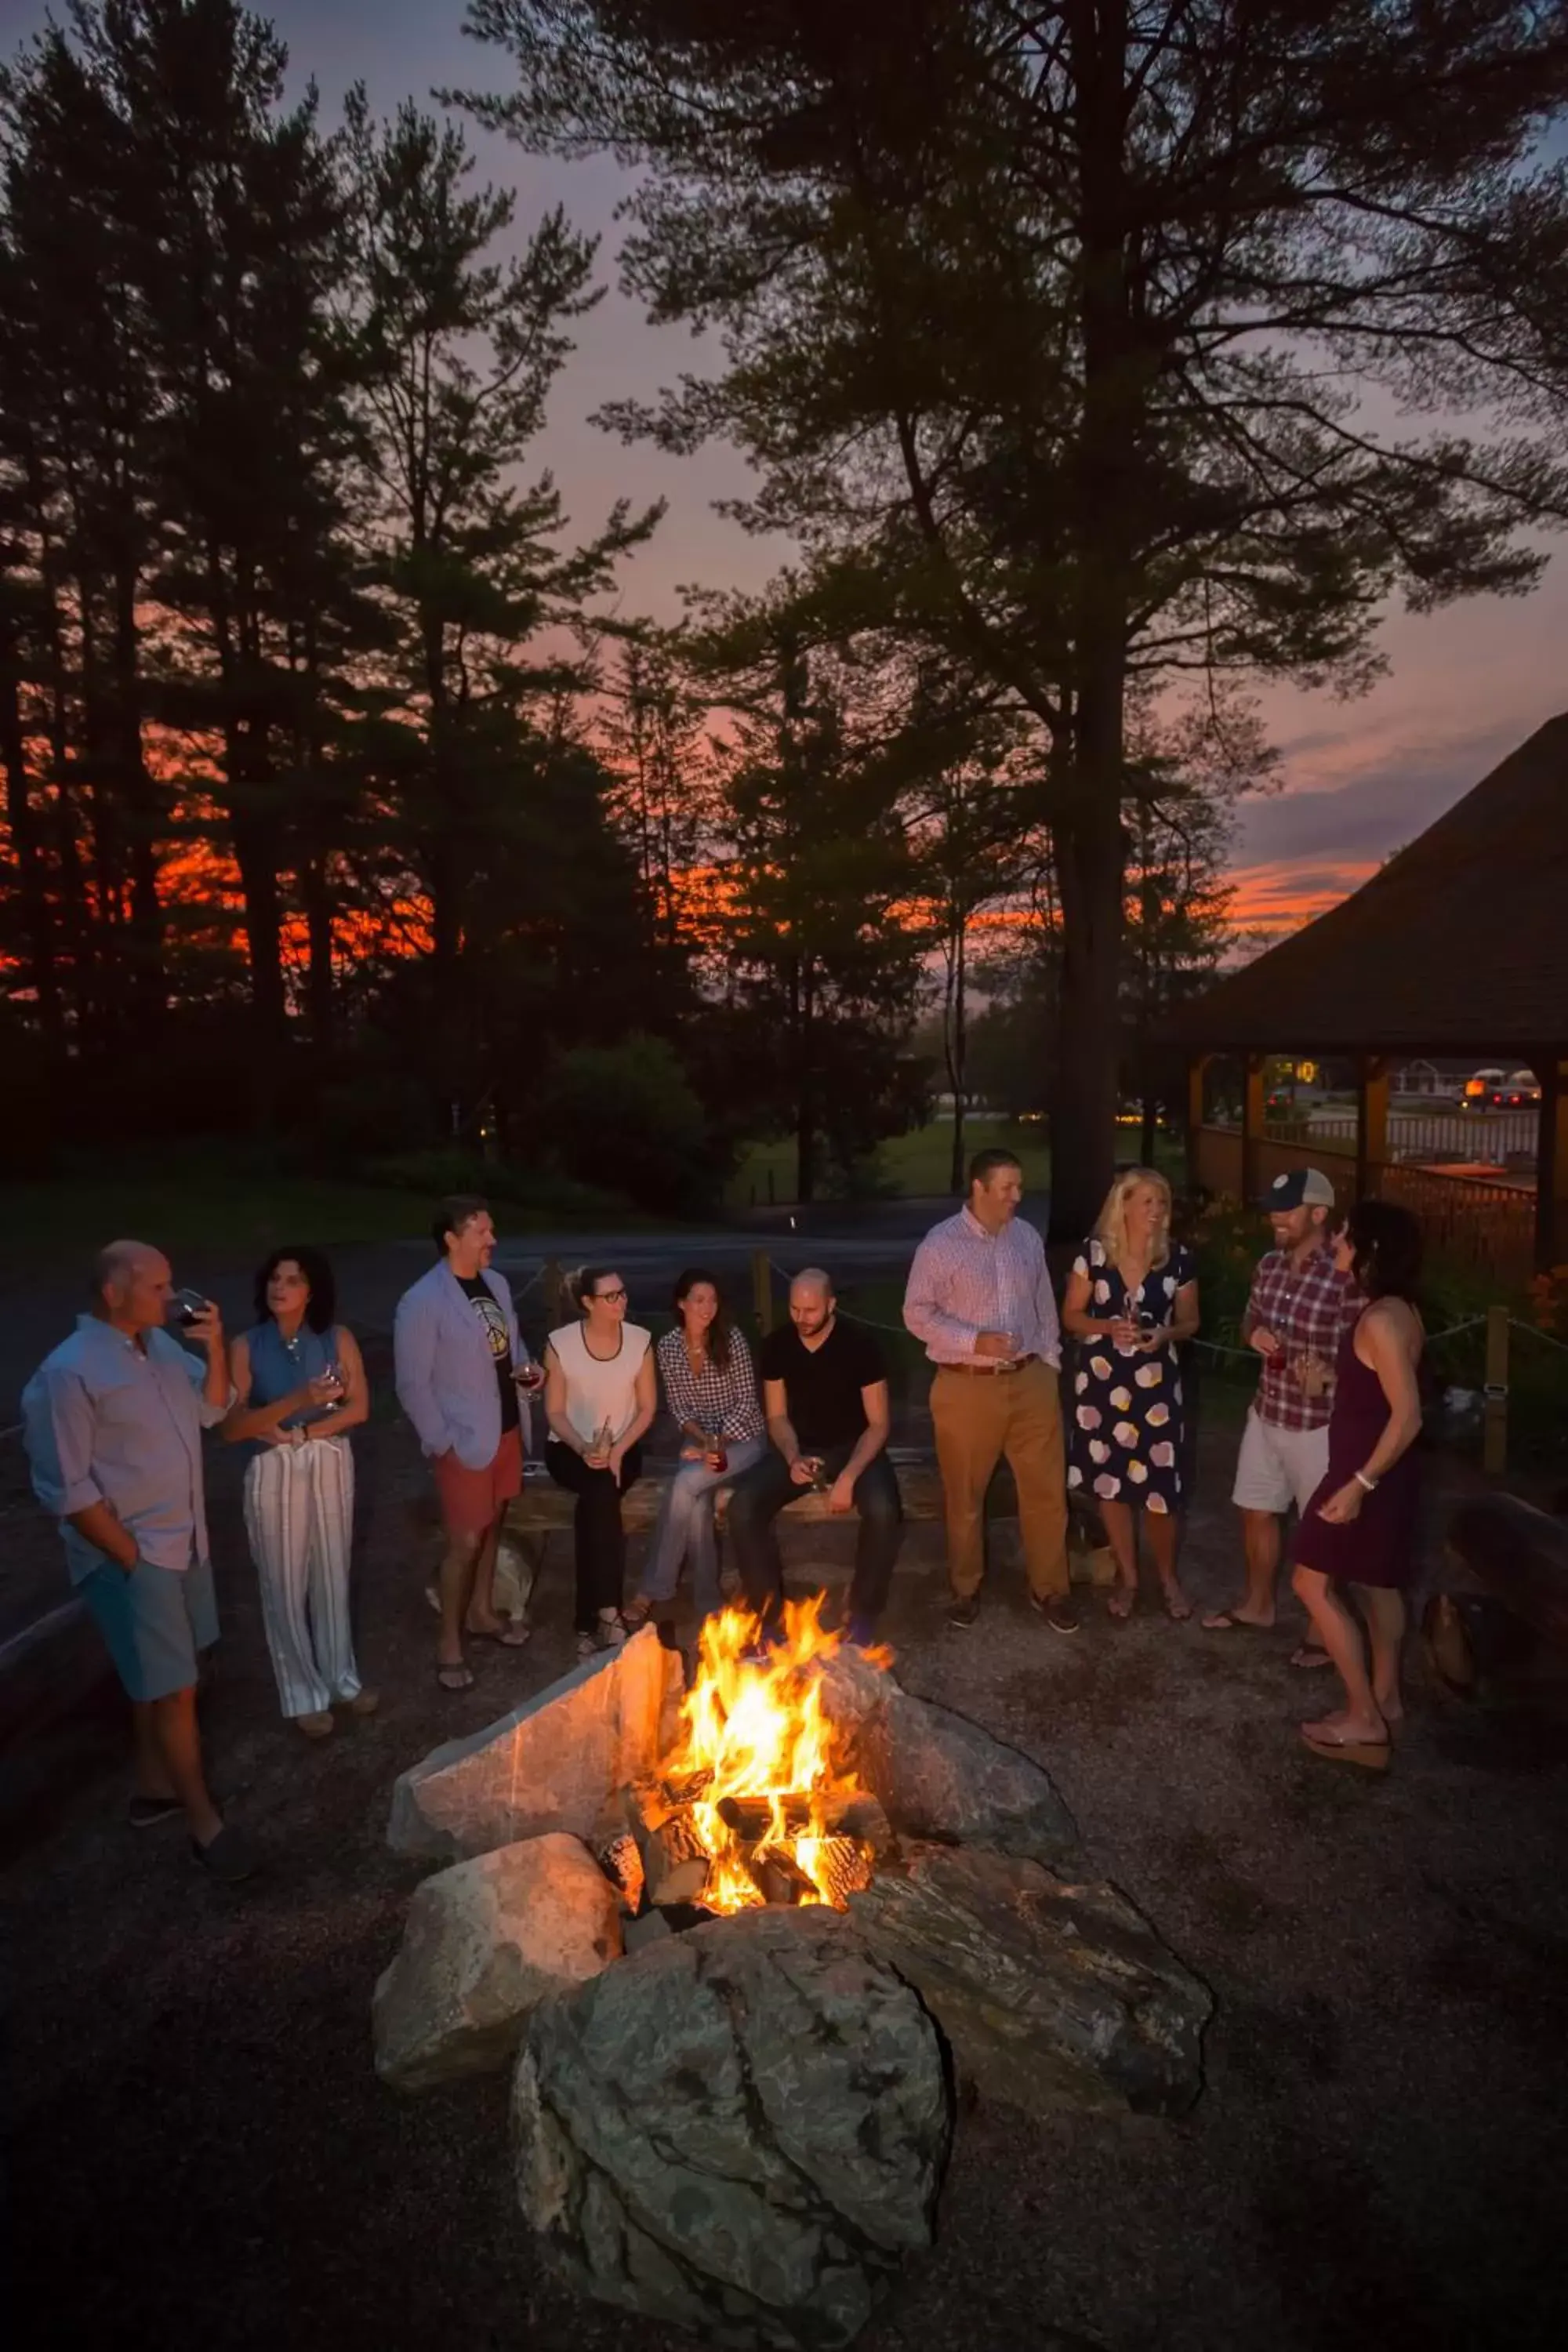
(114, 1422)
(825, 1397)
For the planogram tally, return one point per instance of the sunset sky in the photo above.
(1359, 779)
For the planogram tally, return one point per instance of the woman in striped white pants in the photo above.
(299, 1387)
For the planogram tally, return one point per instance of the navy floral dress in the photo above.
(1124, 1440)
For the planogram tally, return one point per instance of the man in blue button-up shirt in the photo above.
(113, 1422)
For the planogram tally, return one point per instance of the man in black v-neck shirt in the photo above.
(825, 1393)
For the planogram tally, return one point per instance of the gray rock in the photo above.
(940, 1776)
(485, 1942)
(1052, 1995)
(559, 1761)
(741, 2132)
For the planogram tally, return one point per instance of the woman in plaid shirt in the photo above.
(712, 1392)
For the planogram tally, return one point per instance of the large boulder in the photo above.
(485, 1942)
(741, 2131)
(1051, 1995)
(938, 1776)
(559, 1761)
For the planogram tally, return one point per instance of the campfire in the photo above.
(757, 1803)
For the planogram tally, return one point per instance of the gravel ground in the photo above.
(202, 2154)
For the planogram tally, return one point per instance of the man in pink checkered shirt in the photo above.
(1299, 1310)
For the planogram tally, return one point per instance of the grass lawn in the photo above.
(914, 1165)
(199, 1206)
(196, 1203)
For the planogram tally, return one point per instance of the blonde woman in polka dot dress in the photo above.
(1131, 1297)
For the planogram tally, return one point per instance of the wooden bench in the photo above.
(543, 1508)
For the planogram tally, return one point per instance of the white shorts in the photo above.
(1279, 1466)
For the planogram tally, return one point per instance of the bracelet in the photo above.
(1368, 1485)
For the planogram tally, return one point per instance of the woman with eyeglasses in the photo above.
(600, 1397)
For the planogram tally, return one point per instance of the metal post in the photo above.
(1494, 1434)
(763, 1291)
(1551, 1164)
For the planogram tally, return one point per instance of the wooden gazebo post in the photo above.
(1551, 1162)
(1254, 1096)
(1371, 1123)
(1197, 1066)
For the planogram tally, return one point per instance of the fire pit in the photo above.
(759, 1801)
(724, 1931)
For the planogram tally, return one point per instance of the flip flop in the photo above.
(1306, 1658)
(455, 1678)
(1128, 1598)
(1177, 1607)
(1371, 1755)
(1226, 1620)
(511, 1637)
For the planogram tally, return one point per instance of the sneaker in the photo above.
(146, 1813)
(226, 1857)
(1059, 1611)
(964, 1612)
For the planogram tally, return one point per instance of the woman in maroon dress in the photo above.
(1358, 1530)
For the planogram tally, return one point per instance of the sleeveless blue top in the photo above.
(276, 1367)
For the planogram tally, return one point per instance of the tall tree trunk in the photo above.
(955, 1042)
(38, 915)
(1089, 847)
(149, 982)
(320, 1002)
(1083, 1114)
(256, 851)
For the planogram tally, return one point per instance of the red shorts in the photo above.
(472, 1500)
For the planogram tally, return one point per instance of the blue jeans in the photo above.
(768, 1489)
(685, 1529)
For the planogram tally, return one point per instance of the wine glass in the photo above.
(184, 1306)
(333, 1370)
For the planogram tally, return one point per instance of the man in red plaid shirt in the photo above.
(1299, 1310)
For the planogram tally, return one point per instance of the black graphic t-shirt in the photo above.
(492, 1319)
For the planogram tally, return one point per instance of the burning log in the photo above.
(779, 1878)
(754, 1820)
(675, 1861)
(845, 1865)
(622, 1864)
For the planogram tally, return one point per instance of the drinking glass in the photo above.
(184, 1306)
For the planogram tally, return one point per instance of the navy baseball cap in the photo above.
(1299, 1188)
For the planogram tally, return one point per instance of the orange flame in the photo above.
(754, 1721)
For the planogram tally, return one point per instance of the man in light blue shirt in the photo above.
(460, 1361)
(114, 1422)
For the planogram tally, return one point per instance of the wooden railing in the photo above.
(1489, 1227)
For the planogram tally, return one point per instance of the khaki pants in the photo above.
(978, 1417)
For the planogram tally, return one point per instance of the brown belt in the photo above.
(988, 1368)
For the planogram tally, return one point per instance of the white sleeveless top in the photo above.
(599, 1394)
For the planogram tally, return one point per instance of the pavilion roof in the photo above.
(1459, 944)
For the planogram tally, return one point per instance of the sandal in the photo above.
(1226, 1620)
(455, 1678)
(1122, 1602)
(636, 1612)
(511, 1636)
(1307, 1657)
(1176, 1605)
(1371, 1755)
